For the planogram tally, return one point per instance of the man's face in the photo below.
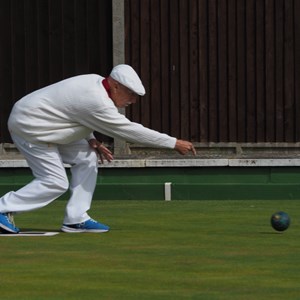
(122, 96)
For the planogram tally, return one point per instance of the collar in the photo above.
(106, 86)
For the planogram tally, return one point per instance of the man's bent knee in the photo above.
(58, 186)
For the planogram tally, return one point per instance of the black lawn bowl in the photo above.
(280, 221)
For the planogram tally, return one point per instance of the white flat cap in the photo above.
(126, 75)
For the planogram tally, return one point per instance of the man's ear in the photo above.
(113, 85)
(116, 86)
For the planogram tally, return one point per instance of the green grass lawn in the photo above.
(157, 250)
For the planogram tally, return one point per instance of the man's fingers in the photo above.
(100, 158)
(193, 150)
(183, 147)
(106, 153)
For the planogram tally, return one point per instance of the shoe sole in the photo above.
(73, 230)
(7, 229)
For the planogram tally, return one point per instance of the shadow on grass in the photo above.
(270, 232)
(40, 230)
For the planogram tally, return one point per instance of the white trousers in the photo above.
(46, 162)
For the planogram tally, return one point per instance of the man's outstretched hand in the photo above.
(183, 147)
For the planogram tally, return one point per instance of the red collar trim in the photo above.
(106, 86)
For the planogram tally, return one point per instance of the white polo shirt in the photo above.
(71, 110)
